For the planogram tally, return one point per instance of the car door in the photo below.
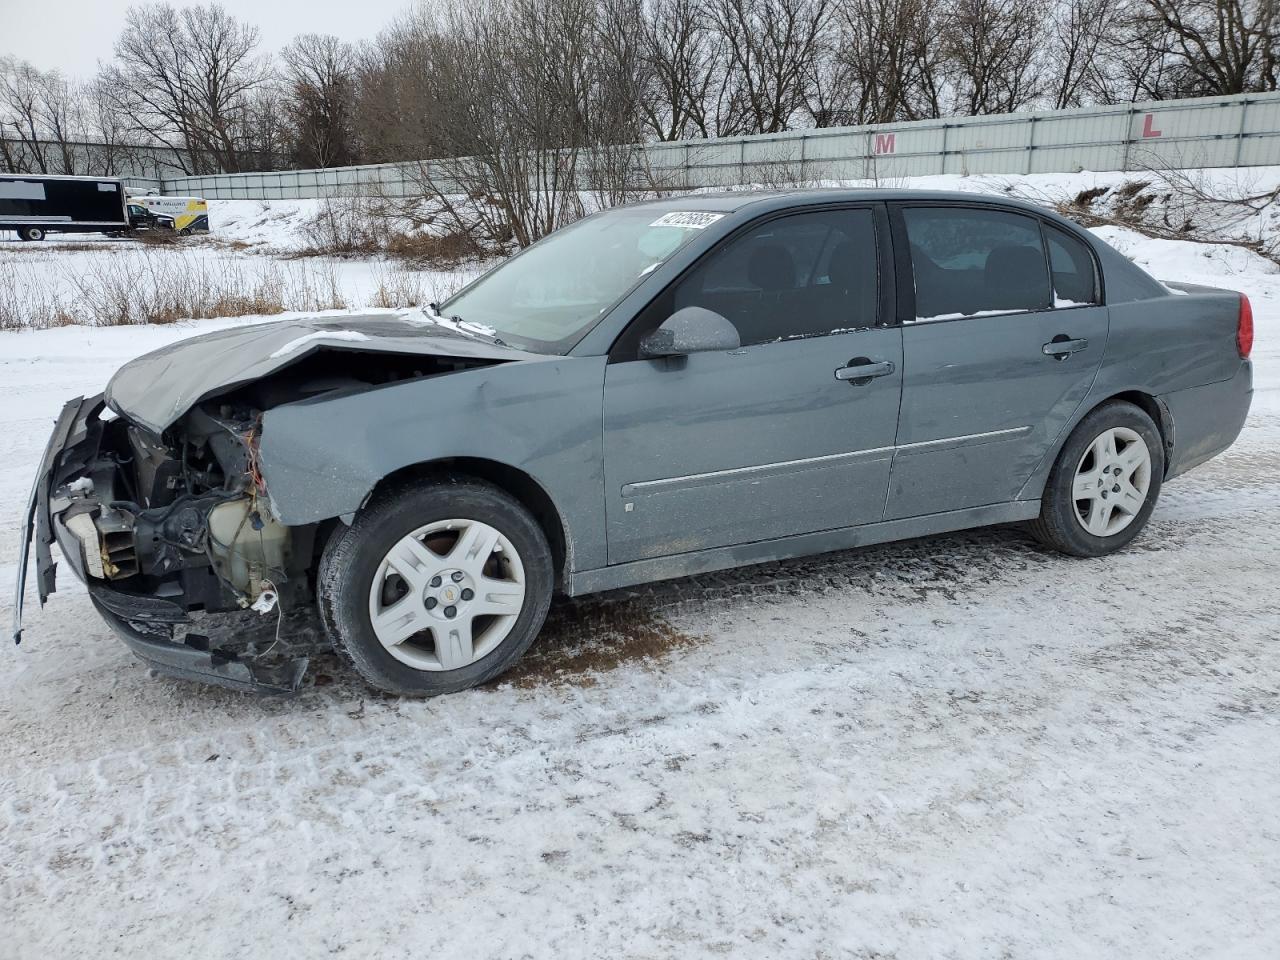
(778, 437)
(1000, 346)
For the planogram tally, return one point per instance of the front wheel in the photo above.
(31, 233)
(436, 586)
(1104, 484)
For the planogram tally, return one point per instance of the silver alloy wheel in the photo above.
(447, 594)
(1111, 481)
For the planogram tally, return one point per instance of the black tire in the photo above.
(31, 233)
(1059, 525)
(353, 554)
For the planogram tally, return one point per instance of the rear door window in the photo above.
(969, 262)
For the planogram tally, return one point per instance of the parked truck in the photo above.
(37, 205)
(190, 214)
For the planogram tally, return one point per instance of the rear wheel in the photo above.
(31, 233)
(436, 587)
(1104, 484)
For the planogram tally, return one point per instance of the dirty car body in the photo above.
(877, 379)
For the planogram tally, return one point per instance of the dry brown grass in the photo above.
(447, 249)
(368, 226)
(156, 286)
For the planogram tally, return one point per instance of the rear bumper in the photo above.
(1207, 419)
(147, 624)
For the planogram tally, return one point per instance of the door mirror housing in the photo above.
(690, 330)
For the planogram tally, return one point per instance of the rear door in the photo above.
(776, 438)
(998, 351)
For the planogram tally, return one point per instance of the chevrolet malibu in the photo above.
(655, 391)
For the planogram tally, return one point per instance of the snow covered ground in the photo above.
(960, 747)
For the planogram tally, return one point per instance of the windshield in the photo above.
(547, 297)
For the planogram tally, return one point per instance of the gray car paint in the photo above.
(987, 383)
(157, 388)
(762, 439)
(543, 417)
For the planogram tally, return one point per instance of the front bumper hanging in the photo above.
(147, 624)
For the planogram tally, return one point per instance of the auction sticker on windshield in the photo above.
(689, 219)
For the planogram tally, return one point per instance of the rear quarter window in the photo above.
(1075, 281)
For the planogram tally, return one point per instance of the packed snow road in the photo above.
(956, 747)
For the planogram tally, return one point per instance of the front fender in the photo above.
(321, 458)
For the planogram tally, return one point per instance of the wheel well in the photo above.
(509, 479)
(1143, 401)
(1154, 409)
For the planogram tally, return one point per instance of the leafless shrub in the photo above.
(345, 225)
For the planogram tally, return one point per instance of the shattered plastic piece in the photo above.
(265, 603)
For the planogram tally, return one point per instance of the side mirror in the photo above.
(690, 330)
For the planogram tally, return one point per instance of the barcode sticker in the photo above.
(688, 219)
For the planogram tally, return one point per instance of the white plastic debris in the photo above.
(265, 603)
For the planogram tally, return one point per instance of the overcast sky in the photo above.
(73, 35)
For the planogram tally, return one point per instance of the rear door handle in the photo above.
(862, 370)
(1063, 346)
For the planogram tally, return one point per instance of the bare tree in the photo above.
(893, 55)
(514, 89)
(770, 47)
(187, 79)
(681, 58)
(45, 115)
(1080, 33)
(108, 128)
(1215, 47)
(319, 77)
(21, 98)
(398, 115)
(991, 50)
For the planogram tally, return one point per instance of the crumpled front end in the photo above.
(161, 528)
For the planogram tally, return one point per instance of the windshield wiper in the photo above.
(462, 326)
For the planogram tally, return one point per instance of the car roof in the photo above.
(735, 200)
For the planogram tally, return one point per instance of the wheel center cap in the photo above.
(448, 593)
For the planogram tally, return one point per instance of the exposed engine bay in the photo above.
(192, 512)
(161, 525)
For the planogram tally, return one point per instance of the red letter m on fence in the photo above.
(884, 143)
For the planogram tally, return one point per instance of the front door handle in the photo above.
(1062, 346)
(862, 370)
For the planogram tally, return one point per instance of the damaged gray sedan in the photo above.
(656, 391)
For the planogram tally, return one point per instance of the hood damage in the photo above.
(160, 506)
(157, 389)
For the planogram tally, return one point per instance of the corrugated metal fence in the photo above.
(1205, 132)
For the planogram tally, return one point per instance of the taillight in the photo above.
(1244, 328)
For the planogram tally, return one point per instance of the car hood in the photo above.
(158, 388)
